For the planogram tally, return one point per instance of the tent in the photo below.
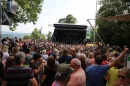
(124, 17)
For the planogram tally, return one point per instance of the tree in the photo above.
(69, 19)
(36, 34)
(27, 37)
(49, 35)
(28, 11)
(113, 32)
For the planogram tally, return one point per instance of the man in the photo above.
(96, 72)
(18, 75)
(27, 57)
(78, 77)
(62, 75)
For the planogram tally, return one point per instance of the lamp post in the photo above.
(0, 18)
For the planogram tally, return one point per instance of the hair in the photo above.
(9, 62)
(51, 63)
(104, 57)
(15, 50)
(54, 55)
(65, 52)
(1, 55)
(98, 59)
(18, 58)
(27, 51)
(83, 61)
(5, 48)
(36, 56)
(126, 71)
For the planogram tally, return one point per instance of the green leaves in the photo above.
(69, 19)
(36, 34)
(27, 12)
(113, 32)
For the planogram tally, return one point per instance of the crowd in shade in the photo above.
(45, 63)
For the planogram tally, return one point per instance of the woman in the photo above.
(49, 72)
(5, 54)
(33, 64)
(124, 77)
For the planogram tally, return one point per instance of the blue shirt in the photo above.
(95, 74)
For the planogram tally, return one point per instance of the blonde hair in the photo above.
(5, 48)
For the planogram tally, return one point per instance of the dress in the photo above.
(50, 77)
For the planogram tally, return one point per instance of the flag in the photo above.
(41, 30)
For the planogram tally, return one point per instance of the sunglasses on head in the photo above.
(122, 77)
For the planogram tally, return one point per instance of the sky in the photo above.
(53, 10)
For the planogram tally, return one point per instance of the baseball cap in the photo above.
(64, 69)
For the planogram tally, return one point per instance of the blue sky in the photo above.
(53, 10)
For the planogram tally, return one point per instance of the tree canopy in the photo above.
(113, 32)
(36, 34)
(69, 19)
(27, 12)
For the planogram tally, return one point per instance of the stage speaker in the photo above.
(12, 7)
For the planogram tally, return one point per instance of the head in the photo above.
(5, 48)
(15, 50)
(19, 58)
(124, 76)
(9, 62)
(36, 57)
(44, 52)
(51, 63)
(63, 73)
(98, 59)
(75, 64)
(90, 55)
(27, 51)
(65, 52)
(72, 51)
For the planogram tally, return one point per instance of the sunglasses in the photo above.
(122, 77)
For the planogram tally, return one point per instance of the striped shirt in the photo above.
(18, 76)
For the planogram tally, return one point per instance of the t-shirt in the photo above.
(18, 76)
(95, 74)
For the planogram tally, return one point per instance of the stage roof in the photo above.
(72, 26)
(124, 17)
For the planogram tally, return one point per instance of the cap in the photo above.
(64, 69)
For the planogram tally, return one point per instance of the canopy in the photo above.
(124, 17)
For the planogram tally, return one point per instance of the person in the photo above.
(19, 75)
(124, 77)
(111, 76)
(62, 75)
(49, 72)
(65, 58)
(37, 65)
(27, 57)
(96, 72)
(1, 68)
(77, 77)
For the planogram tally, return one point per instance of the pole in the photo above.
(0, 19)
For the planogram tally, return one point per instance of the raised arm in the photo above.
(118, 58)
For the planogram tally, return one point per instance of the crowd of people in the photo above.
(44, 63)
